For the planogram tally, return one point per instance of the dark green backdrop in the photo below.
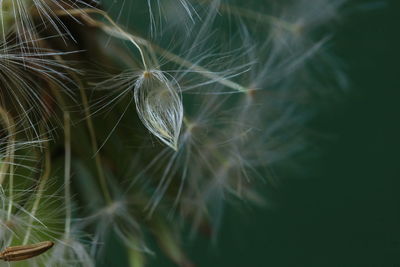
(346, 211)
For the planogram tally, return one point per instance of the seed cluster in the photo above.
(124, 121)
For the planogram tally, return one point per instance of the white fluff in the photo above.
(159, 106)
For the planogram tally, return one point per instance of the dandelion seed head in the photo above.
(225, 84)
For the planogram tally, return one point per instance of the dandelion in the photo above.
(116, 132)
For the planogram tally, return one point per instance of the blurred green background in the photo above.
(344, 208)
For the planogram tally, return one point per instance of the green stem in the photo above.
(101, 176)
(39, 192)
(10, 154)
(67, 173)
(95, 147)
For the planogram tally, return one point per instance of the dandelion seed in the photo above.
(19, 253)
(117, 219)
(159, 106)
(70, 252)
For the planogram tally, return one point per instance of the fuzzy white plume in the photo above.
(159, 106)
